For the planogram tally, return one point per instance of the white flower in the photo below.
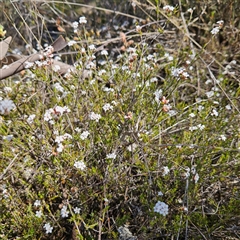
(138, 28)
(214, 113)
(6, 106)
(47, 115)
(101, 72)
(84, 135)
(61, 138)
(38, 213)
(60, 148)
(90, 65)
(28, 64)
(58, 87)
(222, 137)
(64, 212)
(111, 156)
(77, 210)
(83, 50)
(60, 110)
(168, 56)
(107, 89)
(158, 95)
(94, 116)
(201, 126)
(91, 47)
(7, 89)
(82, 20)
(8, 137)
(48, 228)
(192, 115)
(215, 30)
(71, 42)
(154, 79)
(161, 208)
(160, 193)
(31, 118)
(210, 94)
(200, 108)
(107, 107)
(80, 165)
(193, 128)
(132, 147)
(37, 203)
(179, 72)
(104, 52)
(168, 8)
(165, 171)
(228, 107)
(75, 25)
(5, 193)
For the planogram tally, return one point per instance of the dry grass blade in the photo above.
(19, 65)
(4, 47)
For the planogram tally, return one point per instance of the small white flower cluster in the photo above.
(132, 147)
(80, 165)
(64, 212)
(60, 139)
(54, 113)
(71, 43)
(8, 137)
(222, 137)
(102, 72)
(5, 193)
(84, 135)
(161, 208)
(216, 30)
(82, 20)
(6, 106)
(195, 174)
(111, 156)
(107, 107)
(58, 87)
(138, 28)
(214, 113)
(31, 118)
(37, 203)
(166, 170)
(48, 228)
(44, 60)
(94, 116)
(7, 89)
(168, 56)
(104, 52)
(179, 73)
(158, 95)
(124, 233)
(77, 210)
(168, 8)
(48, 52)
(92, 47)
(199, 126)
(192, 115)
(39, 213)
